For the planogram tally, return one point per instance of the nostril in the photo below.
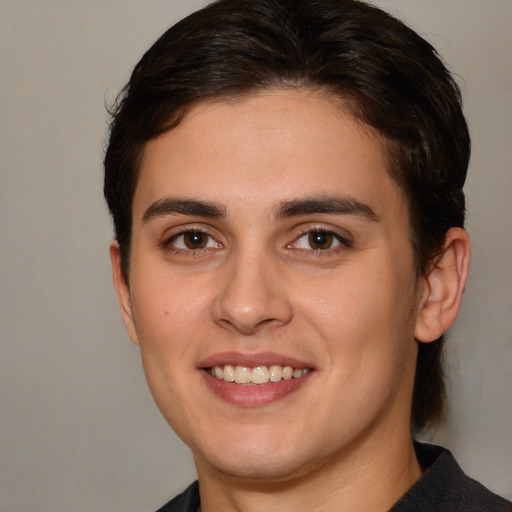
(266, 322)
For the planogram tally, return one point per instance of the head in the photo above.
(382, 73)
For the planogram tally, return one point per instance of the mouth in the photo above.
(256, 375)
(254, 380)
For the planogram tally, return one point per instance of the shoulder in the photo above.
(444, 486)
(187, 501)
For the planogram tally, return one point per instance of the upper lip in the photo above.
(251, 360)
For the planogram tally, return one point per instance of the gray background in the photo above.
(78, 428)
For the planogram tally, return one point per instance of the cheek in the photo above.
(169, 315)
(353, 303)
(368, 342)
(365, 318)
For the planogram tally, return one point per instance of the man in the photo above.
(285, 179)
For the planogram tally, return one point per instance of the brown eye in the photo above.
(320, 240)
(195, 240)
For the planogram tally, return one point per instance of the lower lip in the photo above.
(253, 395)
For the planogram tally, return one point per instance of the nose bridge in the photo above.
(251, 295)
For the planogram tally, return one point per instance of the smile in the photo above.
(261, 374)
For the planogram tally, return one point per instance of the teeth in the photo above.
(242, 375)
(258, 374)
(228, 374)
(276, 373)
(287, 372)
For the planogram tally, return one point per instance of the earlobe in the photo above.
(444, 286)
(122, 292)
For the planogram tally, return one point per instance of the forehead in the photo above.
(263, 147)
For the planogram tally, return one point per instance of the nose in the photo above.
(252, 295)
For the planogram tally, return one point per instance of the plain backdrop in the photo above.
(78, 429)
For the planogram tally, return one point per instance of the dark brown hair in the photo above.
(390, 78)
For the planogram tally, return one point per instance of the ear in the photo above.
(444, 286)
(123, 292)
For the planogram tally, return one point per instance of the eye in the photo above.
(193, 240)
(318, 240)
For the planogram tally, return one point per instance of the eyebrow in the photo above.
(173, 206)
(338, 205)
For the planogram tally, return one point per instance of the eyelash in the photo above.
(169, 243)
(343, 242)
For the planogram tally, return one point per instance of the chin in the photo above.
(256, 458)
(257, 467)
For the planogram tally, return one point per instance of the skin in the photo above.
(349, 311)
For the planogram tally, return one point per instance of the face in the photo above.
(269, 240)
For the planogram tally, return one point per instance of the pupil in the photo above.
(320, 240)
(195, 240)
